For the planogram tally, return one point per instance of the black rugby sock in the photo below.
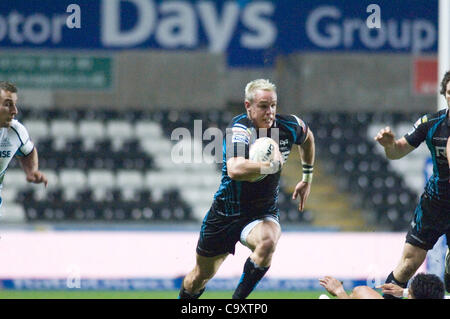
(249, 279)
(391, 279)
(186, 295)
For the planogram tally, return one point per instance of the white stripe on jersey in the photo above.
(240, 134)
(240, 125)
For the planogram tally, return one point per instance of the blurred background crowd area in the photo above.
(102, 95)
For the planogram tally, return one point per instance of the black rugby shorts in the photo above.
(219, 233)
(431, 220)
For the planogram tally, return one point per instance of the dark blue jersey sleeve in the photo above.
(419, 133)
(301, 130)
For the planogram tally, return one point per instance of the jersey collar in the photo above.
(252, 125)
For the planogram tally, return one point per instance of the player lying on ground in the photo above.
(423, 286)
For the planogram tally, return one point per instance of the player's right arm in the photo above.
(242, 169)
(239, 166)
(394, 149)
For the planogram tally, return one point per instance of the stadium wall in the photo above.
(350, 82)
(157, 80)
(201, 81)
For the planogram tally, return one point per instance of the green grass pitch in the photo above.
(80, 294)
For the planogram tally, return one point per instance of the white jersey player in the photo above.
(14, 138)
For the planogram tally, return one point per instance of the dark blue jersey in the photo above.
(434, 130)
(249, 198)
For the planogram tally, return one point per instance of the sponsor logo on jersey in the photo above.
(4, 154)
(241, 134)
(422, 120)
(240, 138)
(441, 151)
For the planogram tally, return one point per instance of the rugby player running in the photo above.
(14, 138)
(247, 211)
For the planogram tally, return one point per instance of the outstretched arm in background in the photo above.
(394, 149)
(30, 166)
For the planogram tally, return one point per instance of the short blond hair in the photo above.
(259, 84)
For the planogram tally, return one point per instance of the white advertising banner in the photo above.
(155, 254)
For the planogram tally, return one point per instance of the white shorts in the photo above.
(248, 228)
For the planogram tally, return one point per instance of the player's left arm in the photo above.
(30, 165)
(394, 149)
(307, 154)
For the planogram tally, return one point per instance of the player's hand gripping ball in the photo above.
(262, 150)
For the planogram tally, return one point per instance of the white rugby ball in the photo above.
(262, 150)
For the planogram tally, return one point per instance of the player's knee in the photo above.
(358, 291)
(364, 292)
(267, 246)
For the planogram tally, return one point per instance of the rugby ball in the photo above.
(262, 150)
